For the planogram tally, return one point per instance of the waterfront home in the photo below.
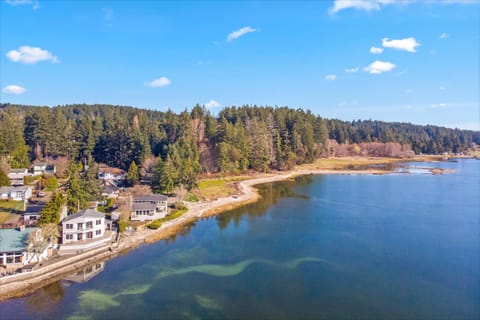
(44, 168)
(114, 175)
(84, 231)
(32, 214)
(16, 176)
(110, 190)
(85, 225)
(150, 207)
(16, 193)
(14, 252)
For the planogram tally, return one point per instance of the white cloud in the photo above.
(366, 5)
(376, 5)
(14, 89)
(160, 82)
(439, 105)
(444, 36)
(376, 50)
(212, 104)
(347, 103)
(35, 5)
(240, 32)
(330, 77)
(407, 44)
(352, 70)
(31, 55)
(378, 67)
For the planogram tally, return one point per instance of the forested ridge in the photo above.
(191, 142)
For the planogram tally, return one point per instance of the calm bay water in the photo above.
(401, 246)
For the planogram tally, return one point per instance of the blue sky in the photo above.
(414, 61)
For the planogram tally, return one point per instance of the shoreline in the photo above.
(27, 283)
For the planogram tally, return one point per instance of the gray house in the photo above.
(150, 207)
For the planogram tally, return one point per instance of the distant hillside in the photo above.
(238, 139)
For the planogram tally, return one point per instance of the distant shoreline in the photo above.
(29, 282)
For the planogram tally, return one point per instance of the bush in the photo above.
(155, 224)
(122, 225)
(179, 206)
(110, 202)
(191, 197)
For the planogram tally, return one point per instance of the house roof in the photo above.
(111, 170)
(143, 206)
(152, 197)
(13, 239)
(33, 210)
(10, 189)
(88, 213)
(23, 170)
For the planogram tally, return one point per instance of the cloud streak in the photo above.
(378, 67)
(14, 89)
(375, 50)
(239, 33)
(377, 5)
(158, 83)
(212, 104)
(407, 44)
(31, 55)
(330, 77)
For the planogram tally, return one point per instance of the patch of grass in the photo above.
(4, 216)
(158, 223)
(347, 163)
(191, 197)
(105, 209)
(8, 205)
(214, 188)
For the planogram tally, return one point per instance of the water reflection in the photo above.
(271, 194)
(87, 273)
(45, 299)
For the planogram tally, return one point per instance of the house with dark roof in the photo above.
(149, 207)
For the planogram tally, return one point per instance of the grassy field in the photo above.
(4, 216)
(11, 206)
(158, 223)
(347, 163)
(215, 188)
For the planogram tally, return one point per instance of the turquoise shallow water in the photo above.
(402, 246)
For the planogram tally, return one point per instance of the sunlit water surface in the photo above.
(401, 246)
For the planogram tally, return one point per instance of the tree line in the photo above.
(193, 142)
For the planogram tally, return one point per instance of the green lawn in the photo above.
(158, 223)
(9, 206)
(4, 216)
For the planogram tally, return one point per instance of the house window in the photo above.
(89, 224)
(89, 235)
(79, 226)
(98, 232)
(69, 237)
(79, 236)
(69, 226)
(18, 259)
(10, 259)
(98, 222)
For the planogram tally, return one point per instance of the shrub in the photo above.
(122, 225)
